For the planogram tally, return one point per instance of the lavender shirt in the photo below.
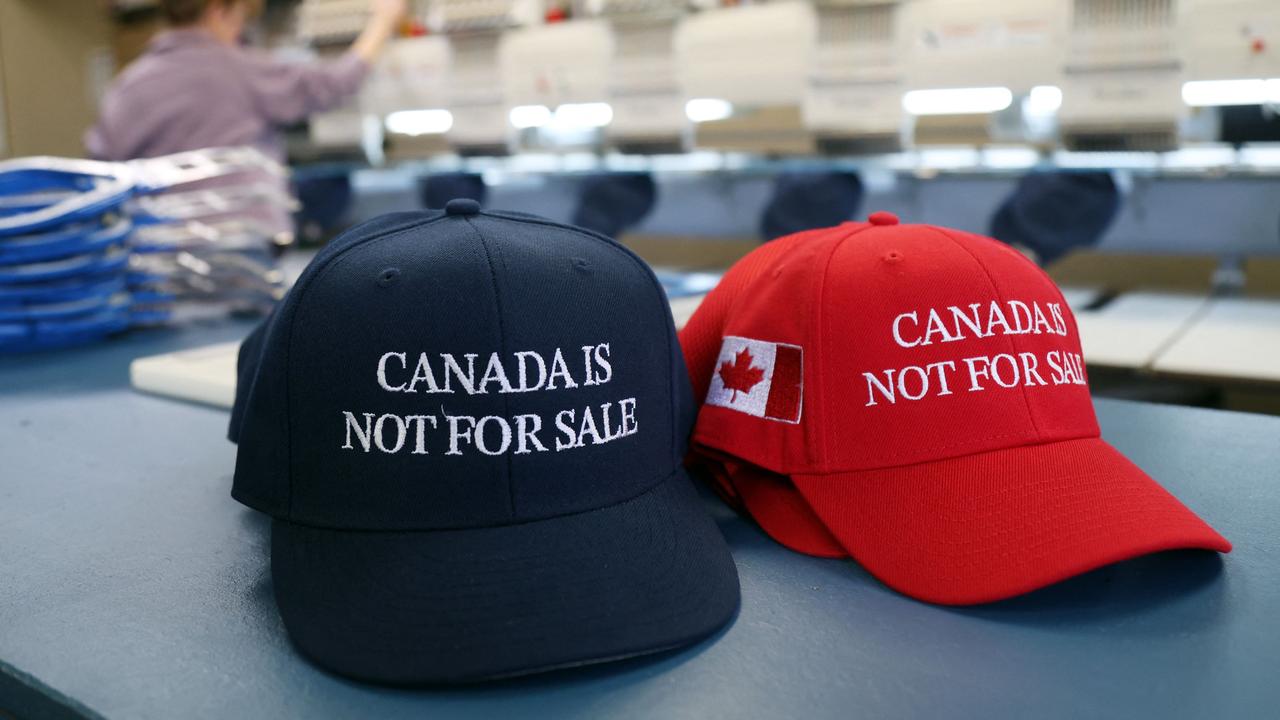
(189, 91)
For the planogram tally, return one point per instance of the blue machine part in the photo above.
(1055, 212)
(144, 248)
(62, 291)
(79, 239)
(65, 233)
(78, 266)
(612, 203)
(16, 204)
(150, 315)
(31, 176)
(80, 190)
(60, 333)
(149, 296)
(324, 195)
(63, 310)
(139, 277)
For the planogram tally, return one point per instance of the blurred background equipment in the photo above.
(852, 102)
(90, 248)
(1131, 146)
(64, 276)
(556, 83)
(437, 189)
(744, 71)
(1051, 213)
(613, 203)
(968, 61)
(648, 107)
(1121, 75)
(810, 200)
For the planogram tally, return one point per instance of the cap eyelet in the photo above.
(893, 256)
(388, 277)
(581, 265)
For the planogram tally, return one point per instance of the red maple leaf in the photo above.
(739, 375)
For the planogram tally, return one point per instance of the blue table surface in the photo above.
(133, 586)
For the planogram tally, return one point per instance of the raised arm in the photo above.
(382, 25)
(288, 92)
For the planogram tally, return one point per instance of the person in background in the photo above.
(196, 87)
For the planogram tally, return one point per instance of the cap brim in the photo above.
(990, 526)
(770, 499)
(246, 368)
(435, 607)
(779, 509)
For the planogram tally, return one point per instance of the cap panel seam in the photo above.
(301, 288)
(819, 320)
(1026, 401)
(1075, 327)
(663, 302)
(502, 341)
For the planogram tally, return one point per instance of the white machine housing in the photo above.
(955, 44)
(757, 58)
(979, 43)
(753, 55)
(475, 89)
(648, 106)
(475, 95)
(321, 21)
(413, 74)
(1231, 39)
(1122, 76)
(853, 98)
(478, 16)
(555, 64)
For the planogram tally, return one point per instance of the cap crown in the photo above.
(916, 343)
(450, 371)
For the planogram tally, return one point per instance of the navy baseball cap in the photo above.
(468, 429)
(1054, 212)
(810, 200)
(612, 203)
(437, 189)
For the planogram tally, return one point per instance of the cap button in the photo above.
(882, 218)
(461, 206)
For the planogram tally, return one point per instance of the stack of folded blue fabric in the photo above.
(83, 256)
(64, 257)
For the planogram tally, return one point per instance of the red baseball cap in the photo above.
(920, 394)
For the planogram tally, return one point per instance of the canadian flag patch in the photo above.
(759, 378)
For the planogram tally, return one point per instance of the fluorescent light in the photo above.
(701, 281)
(1199, 157)
(1127, 160)
(957, 101)
(420, 122)
(947, 158)
(1260, 155)
(1008, 158)
(529, 116)
(1042, 101)
(1207, 93)
(582, 115)
(707, 109)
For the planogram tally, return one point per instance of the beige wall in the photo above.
(54, 56)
